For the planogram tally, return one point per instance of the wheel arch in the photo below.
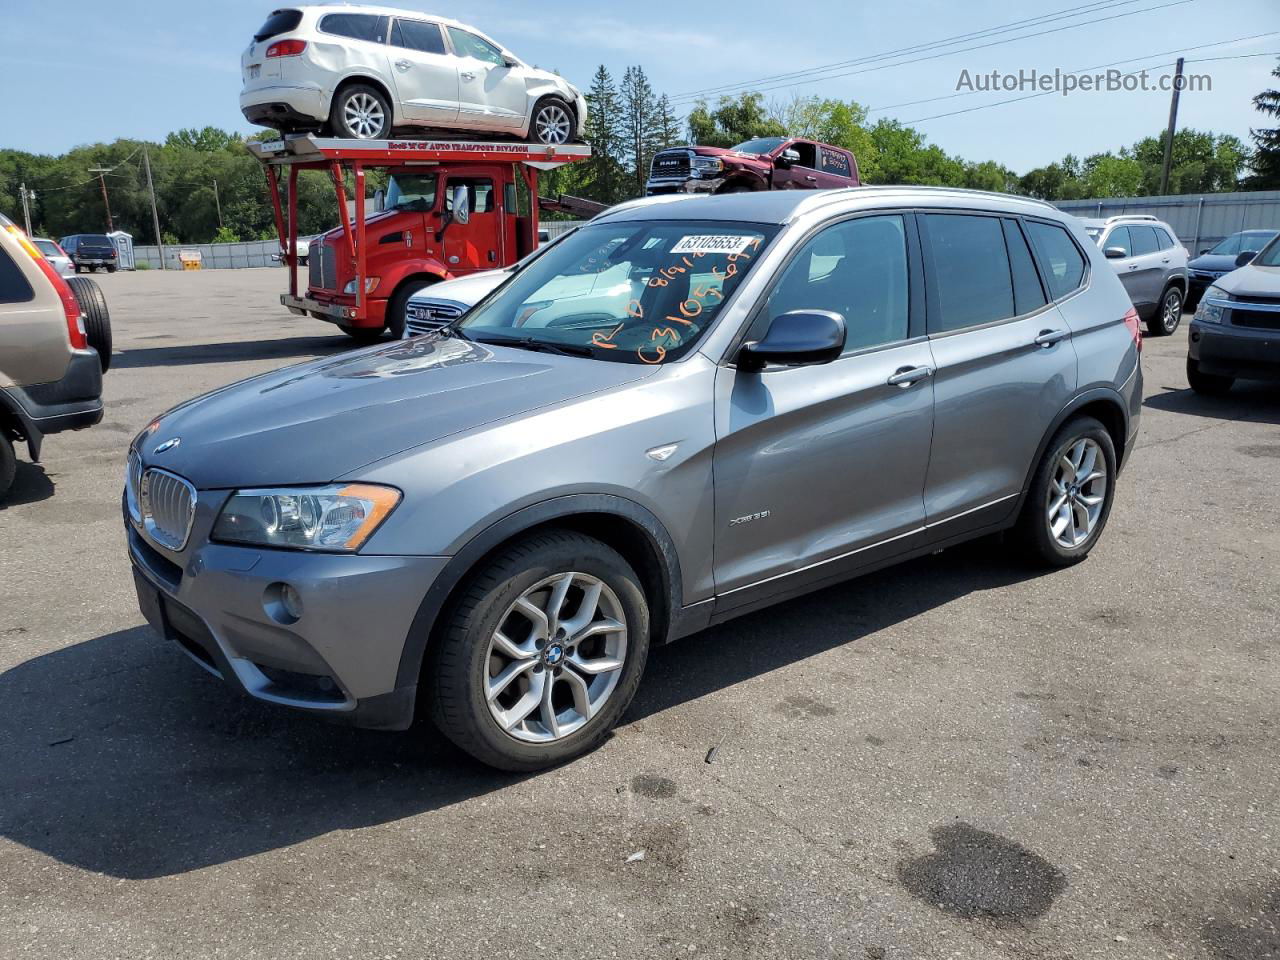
(622, 524)
(1176, 281)
(1105, 405)
(549, 92)
(15, 422)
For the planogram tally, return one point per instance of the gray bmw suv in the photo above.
(684, 412)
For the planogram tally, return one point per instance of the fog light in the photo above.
(282, 603)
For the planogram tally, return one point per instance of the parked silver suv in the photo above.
(763, 394)
(1151, 264)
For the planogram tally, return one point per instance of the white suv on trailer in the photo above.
(360, 72)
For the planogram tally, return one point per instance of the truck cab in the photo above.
(766, 163)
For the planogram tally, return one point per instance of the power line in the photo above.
(902, 51)
(950, 53)
(1100, 66)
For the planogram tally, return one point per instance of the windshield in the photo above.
(631, 292)
(1270, 254)
(760, 145)
(48, 248)
(412, 191)
(1241, 241)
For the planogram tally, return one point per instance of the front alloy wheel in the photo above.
(552, 122)
(1166, 321)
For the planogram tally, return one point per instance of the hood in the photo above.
(724, 152)
(468, 290)
(370, 219)
(319, 421)
(1217, 262)
(1251, 281)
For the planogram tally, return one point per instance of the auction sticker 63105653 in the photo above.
(713, 243)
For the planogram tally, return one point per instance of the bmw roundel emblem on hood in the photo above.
(167, 445)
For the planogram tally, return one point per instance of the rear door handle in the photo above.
(1048, 338)
(906, 376)
(403, 64)
(812, 179)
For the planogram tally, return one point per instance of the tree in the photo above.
(1266, 141)
(1107, 175)
(639, 124)
(837, 122)
(668, 127)
(603, 175)
(734, 120)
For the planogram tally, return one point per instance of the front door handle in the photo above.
(467, 75)
(906, 376)
(1047, 338)
(403, 64)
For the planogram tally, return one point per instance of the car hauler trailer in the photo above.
(451, 209)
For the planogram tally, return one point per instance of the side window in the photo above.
(1119, 237)
(1061, 262)
(357, 26)
(1166, 242)
(1144, 240)
(14, 287)
(479, 192)
(808, 155)
(857, 269)
(417, 35)
(833, 161)
(469, 45)
(1028, 295)
(971, 270)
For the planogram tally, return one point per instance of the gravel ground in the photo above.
(955, 758)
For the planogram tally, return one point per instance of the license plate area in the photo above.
(150, 604)
(254, 70)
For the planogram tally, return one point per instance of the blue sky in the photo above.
(81, 71)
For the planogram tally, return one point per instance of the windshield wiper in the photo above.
(542, 346)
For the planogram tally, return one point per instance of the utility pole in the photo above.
(26, 210)
(1173, 126)
(155, 215)
(102, 178)
(217, 203)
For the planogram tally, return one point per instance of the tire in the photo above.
(1208, 384)
(1039, 539)
(363, 334)
(1168, 313)
(97, 319)
(111, 269)
(360, 112)
(76, 269)
(463, 660)
(8, 464)
(92, 269)
(396, 306)
(551, 122)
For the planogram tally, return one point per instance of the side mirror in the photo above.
(461, 205)
(800, 338)
(509, 61)
(379, 201)
(1115, 253)
(787, 158)
(1204, 250)
(1246, 256)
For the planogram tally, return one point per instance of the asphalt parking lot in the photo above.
(955, 758)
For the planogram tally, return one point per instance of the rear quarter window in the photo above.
(14, 287)
(1061, 263)
(357, 26)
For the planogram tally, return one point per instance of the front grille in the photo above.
(1255, 319)
(423, 316)
(168, 507)
(670, 163)
(322, 260)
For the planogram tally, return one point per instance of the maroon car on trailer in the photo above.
(768, 163)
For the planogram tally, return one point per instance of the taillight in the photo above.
(286, 48)
(70, 305)
(1135, 328)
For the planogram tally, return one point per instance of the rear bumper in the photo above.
(288, 104)
(1225, 350)
(72, 403)
(339, 660)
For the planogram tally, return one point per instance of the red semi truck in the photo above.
(451, 208)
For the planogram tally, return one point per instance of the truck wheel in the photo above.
(360, 112)
(363, 334)
(1210, 384)
(397, 318)
(541, 654)
(551, 122)
(97, 319)
(8, 464)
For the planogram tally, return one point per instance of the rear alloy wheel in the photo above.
(1071, 493)
(1209, 384)
(552, 122)
(1168, 316)
(542, 653)
(361, 113)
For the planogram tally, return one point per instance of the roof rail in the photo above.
(832, 196)
(1132, 216)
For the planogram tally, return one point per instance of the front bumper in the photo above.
(1230, 351)
(342, 311)
(340, 659)
(657, 186)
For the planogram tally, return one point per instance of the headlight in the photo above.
(369, 284)
(707, 164)
(338, 519)
(1209, 312)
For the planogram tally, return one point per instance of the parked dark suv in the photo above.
(768, 393)
(89, 251)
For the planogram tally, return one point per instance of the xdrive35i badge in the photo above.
(167, 445)
(748, 518)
